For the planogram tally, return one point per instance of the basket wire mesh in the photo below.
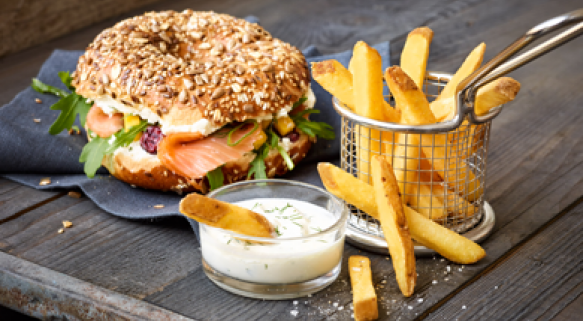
(439, 197)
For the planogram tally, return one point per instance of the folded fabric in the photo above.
(28, 152)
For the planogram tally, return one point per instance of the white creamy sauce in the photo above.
(135, 151)
(287, 262)
(205, 127)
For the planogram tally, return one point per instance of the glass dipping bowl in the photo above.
(274, 268)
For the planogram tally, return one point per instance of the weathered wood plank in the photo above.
(546, 270)
(573, 311)
(26, 23)
(46, 294)
(15, 198)
(133, 258)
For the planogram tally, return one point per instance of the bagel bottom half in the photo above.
(140, 169)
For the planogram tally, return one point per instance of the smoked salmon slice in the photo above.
(102, 124)
(192, 156)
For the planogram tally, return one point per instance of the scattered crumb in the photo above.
(340, 308)
(463, 307)
(45, 181)
(38, 101)
(448, 268)
(159, 206)
(496, 287)
(294, 312)
(36, 120)
(67, 224)
(295, 302)
(335, 304)
(60, 231)
(409, 307)
(420, 300)
(74, 194)
(434, 282)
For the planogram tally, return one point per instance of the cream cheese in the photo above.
(204, 126)
(288, 261)
(136, 152)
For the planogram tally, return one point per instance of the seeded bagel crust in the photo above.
(180, 67)
(153, 175)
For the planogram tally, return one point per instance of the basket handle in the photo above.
(502, 63)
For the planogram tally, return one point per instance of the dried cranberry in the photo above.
(293, 136)
(151, 138)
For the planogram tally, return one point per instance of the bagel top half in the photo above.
(179, 68)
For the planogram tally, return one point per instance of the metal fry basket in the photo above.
(451, 193)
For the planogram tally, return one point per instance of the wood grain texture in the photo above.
(26, 23)
(133, 258)
(535, 168)
(543, 277)
(15, 198)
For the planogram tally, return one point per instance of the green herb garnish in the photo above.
(255, 125)
(312, 128)
(94, 152)
(216, 178)
(299, 103)
(277, 231)
(70, 104)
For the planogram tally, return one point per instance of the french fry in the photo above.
(363, 293)
(415, 111)
(427, 203)
(432, 235)
(455, 204)
(223, 215)
(415, 54)
(368, 102)
(471, 64)
(406, 165)
(336, 79)
(394, 224)
(493, 94)
(448, 243)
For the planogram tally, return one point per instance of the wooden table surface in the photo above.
(110, 268)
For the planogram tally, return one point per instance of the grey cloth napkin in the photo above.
(28, 152)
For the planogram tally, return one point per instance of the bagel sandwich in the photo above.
(189, 101)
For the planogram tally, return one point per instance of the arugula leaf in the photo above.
(312, 128)
(70, 107)
(290, 164)
(257, 166)
(93, 153)
(66, 79)
(48, 89)
(273, 142)
(70, 104)
(299, 103)
(216, 178)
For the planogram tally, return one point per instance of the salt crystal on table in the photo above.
(335, 304)
(340, 308)
(420, 300)
(409, 307)
(294, 313)
(295, 302)
(464, 307)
